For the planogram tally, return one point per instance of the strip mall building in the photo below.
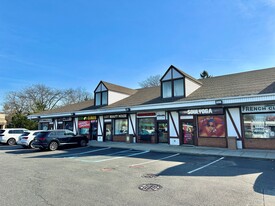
(182, 110)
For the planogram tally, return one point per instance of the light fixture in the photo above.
(218, 102)
(127, 109)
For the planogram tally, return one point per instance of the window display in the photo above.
(121, 126)
(211, 126)
(259, 125)
(146, 126)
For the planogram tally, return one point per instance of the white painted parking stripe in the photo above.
(115, 153)
(190, 172)
(81, 153)
(113, 158)
(143, 163)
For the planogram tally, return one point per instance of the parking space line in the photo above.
(143, 163)
(190, 172)
(124, 151)
(113, 158)
(81, 153)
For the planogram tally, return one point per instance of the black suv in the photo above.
(52, 139)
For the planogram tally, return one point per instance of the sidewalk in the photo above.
(194, 150)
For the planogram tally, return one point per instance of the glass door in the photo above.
(162, 132)
(188, 131)
(108, 131)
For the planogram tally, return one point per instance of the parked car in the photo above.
(52, 139)
(26, 139)
(10, 135)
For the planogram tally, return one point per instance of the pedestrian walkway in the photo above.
(194, 150)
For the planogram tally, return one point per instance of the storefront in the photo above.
(115, 128)
(162, 127)
(203, 127)
(87, 125)
(146, 127)
(259, 126)
(65, 123)
(46, 124)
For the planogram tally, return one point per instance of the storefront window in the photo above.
(69, 125)
(84, 127)
(211, 126)
(121, 126)
(146, 126)
(259, 125)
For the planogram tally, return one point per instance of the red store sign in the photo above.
(84, 124)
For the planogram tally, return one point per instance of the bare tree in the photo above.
(151, 81)
(72, 96)
(37, 98)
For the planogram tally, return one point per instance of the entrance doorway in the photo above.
(162, 132)
(188, 132)
(108, 131)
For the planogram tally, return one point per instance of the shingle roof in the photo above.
(70, 108)
(239, 84)
(117, 88)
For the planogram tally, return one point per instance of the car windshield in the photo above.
(2, 131)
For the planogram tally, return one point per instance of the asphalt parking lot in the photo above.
(109, 176)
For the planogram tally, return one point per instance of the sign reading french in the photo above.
(258, 108)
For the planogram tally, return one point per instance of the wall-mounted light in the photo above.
(127, 109)
(218, 102)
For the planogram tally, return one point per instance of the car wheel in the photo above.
(53, 146)
(31, 146)
(11, 141)
(83, 143)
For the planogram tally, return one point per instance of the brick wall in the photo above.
(259, 143)
(212, 142)
(119, 138)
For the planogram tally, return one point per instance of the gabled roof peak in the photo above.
(182, 73)
(117, 88)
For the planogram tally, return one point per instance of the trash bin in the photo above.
(232, 143)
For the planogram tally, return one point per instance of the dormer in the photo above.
(107, 93)
(175, 83)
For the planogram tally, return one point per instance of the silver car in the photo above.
(26, 139)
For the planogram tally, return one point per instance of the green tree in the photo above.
(21, 121)
(205, 75)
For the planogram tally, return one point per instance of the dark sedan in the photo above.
(52, 139)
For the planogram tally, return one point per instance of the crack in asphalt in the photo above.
(37, 188)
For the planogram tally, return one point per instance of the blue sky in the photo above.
(76, 43)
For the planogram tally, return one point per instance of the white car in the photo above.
(26, 139)
(11, 135)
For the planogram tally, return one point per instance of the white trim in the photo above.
(164, 106)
